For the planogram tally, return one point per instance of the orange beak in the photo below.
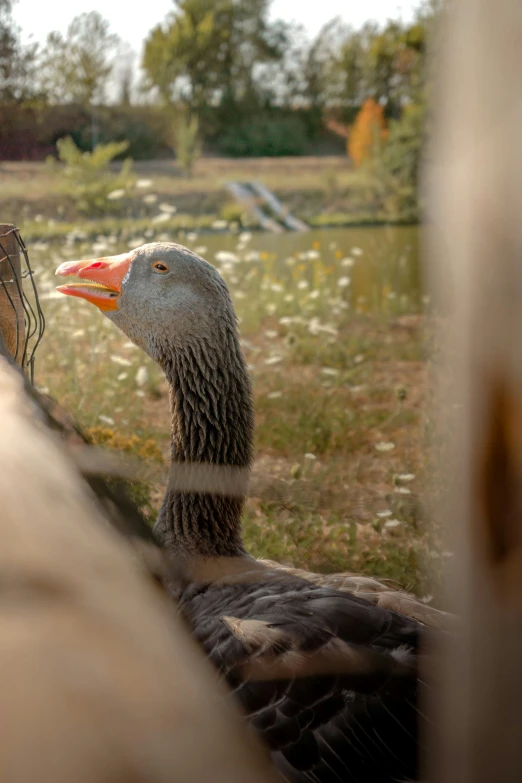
(106, 276)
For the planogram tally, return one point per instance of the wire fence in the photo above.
(22, 321)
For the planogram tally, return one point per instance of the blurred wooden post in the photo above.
(12, 325)
(475, 222)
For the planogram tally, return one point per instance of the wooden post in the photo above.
(475, 225)
(12, 325)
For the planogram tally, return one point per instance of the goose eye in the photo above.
(159, 267)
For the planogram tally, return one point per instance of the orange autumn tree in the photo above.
(368, 129)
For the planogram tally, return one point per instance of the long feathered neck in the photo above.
(212, 424)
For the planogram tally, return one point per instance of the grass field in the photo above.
(341, 398)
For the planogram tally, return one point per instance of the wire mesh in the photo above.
(18, 301)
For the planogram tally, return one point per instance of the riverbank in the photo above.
(322, 191)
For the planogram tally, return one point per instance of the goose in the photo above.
(354, 723)
(371, 589)
(100, 679)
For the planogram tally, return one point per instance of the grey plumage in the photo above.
(359, 725)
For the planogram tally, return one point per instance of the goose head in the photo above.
(161, 295)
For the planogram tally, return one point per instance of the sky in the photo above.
(38, 18)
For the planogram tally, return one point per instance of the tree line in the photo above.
(221, 71)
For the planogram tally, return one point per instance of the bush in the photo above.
(88, 179)
(367, 133)
(265, 136)
(397, 165)
(187, 142)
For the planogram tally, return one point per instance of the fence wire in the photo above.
(12, 286)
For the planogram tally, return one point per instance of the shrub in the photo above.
(397, 166)
(187, 143)
(265, 136)
(367, 132)
(87, 177)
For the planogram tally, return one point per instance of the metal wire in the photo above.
(32, 312)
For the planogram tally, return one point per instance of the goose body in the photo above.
(327, 678)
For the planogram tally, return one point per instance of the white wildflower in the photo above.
(330, 371)
(106, 419)
(358, 359)
(150, 198)
(347, 262)
(391, 524)
(403, 490)
(312, 255)
(385, 446)
(314, 294)
(200, 250)
(277, 288)
(144, 183)
(78, 333)
(225, 256)
(383, 514)
(406, 476)
(245, 237)
(192, 236)
(356, 251)
(142, 376)
(310, 456)
(271, 308)
(289, 298)
(274, 395)
(343, 282)
(122, 376)
(302, 284)
(121, 361)
(273, 360)
(169, 208)
(253, 255)
(115, 195)
(271, 333)
(161, 217)
(219, 224)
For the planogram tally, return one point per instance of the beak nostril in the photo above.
(96, 265)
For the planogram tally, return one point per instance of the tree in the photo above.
(16, 61)
(206, 53)
(367, 132)
(75, 68)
